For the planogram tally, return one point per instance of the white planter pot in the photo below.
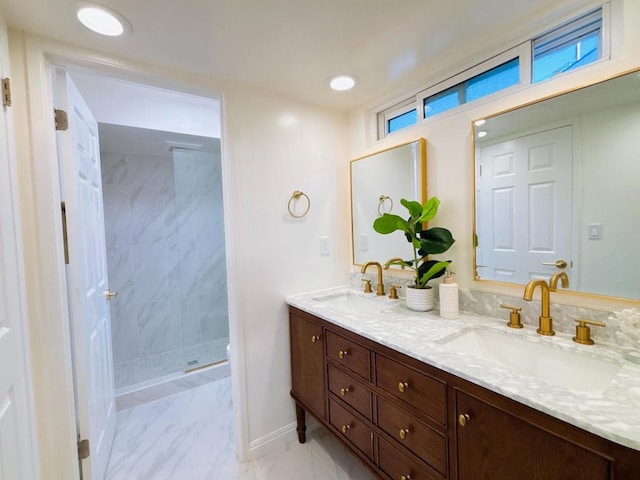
(420, 299)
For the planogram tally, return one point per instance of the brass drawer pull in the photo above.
(343, 353)
(405, 477)
(346, 428)
(463, 419)
(344, 391)
(403, 433)
(315, 338)
(402, 386)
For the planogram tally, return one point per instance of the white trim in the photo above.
(13, 279)
(45, 280)
(45, 274)
(272, 441)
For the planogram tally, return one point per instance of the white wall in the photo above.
(277, 146)
(610, 167)
(271, 146)
(450, 151)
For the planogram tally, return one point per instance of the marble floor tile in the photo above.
(189, 435)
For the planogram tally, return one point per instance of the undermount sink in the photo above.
(543, 361)
(352, 303)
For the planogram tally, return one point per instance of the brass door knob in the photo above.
(402, 387)
(108, 294)
(557, 264)
(405, 477)
(403, 433)
(343, 353)
(315, 338)
(463, 419)
(345, 428)
(344, 391)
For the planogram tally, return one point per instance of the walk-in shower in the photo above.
(165, 254)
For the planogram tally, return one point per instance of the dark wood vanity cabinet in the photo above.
(493, 444)
(407, 420)
(307, 369)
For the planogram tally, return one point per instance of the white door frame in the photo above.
(44, 269)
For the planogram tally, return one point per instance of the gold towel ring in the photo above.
(295, 195)
(384, 198)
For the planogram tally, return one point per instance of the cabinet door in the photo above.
(307, 364)
(495, 445)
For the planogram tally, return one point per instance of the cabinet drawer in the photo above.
(410, 432)
(351, 391)
(416, 389)
(353, 356)
(351, 428)
(397, 465)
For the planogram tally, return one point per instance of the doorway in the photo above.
(162, 232)
(165, 247)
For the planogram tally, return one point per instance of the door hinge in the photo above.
(6, 92)
(65, 238)
(62, 123)
(83, 449)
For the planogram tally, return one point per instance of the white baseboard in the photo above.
(278, 439)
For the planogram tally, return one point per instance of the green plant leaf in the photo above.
(429, 209)
(435, 240)
(389, 223)
(431, 269)
(415, 209)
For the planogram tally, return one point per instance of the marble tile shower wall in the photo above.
(165, 256)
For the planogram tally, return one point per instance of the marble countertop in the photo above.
(613, 413)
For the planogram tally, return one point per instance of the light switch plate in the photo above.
(364, 242)
(324, 246)
(594, 231)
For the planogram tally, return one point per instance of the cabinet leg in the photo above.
(302, 426)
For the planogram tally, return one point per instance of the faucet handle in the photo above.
(583, 332)
(393, 292)
(514, 316)
(367, 286)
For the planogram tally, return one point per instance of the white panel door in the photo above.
(18, 458)
(524, 193)
(79, 157)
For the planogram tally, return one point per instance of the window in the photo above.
(397, 117)
(486, 83)
(401, 121)
(568, 47)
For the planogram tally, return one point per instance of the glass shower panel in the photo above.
(202, 269)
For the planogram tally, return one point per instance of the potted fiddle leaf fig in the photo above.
(425, 242)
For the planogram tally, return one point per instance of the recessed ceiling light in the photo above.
(482, 133)
(479, 123)
(102, 20)
(342, 82)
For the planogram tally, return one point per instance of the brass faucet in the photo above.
(380, 286)
(392, 260)
(553, 282)
(545, 326)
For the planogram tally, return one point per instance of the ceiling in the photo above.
(294, 46)
(144, 141)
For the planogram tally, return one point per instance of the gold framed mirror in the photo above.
(557, 188)
(378, 182)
